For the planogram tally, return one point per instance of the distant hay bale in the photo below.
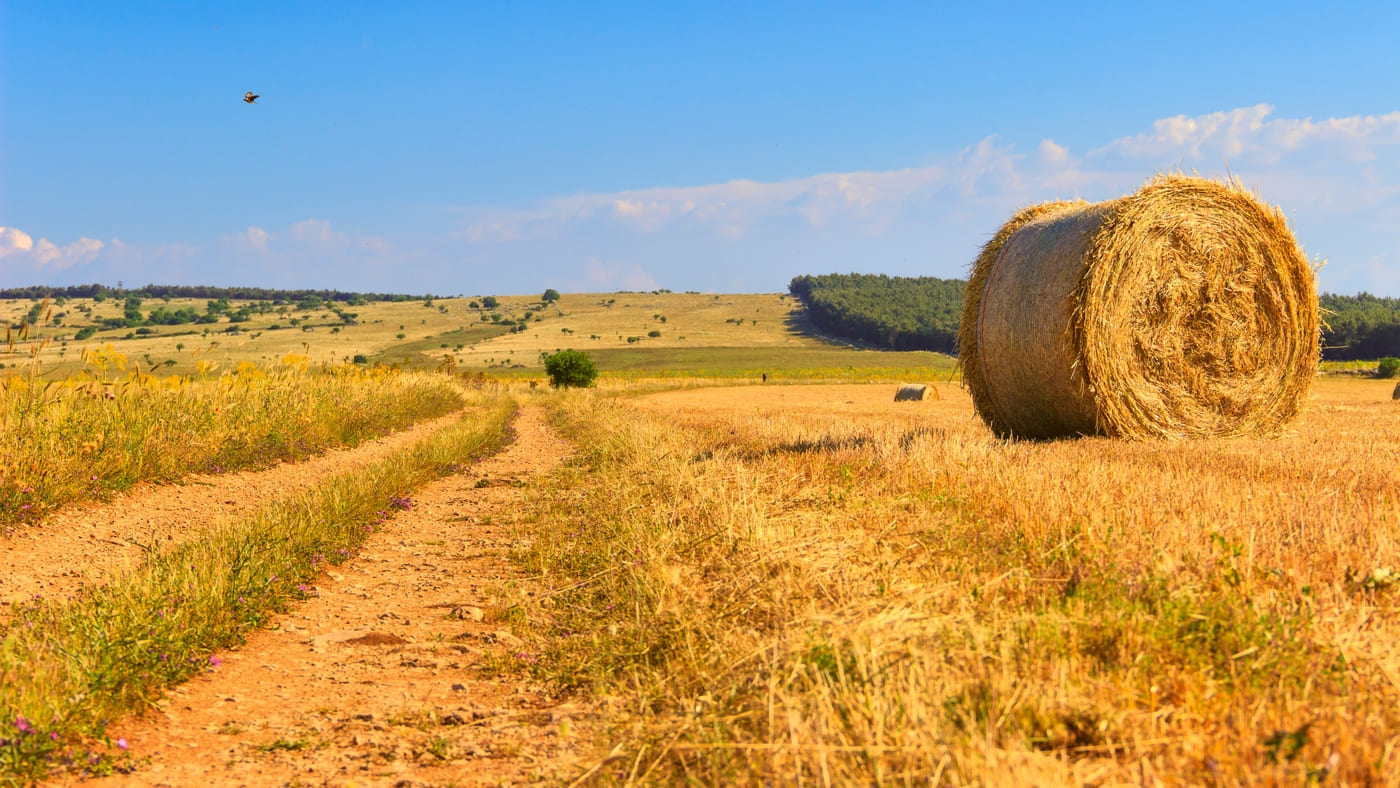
(915, 392)
(1186, 309)
(1396, 393)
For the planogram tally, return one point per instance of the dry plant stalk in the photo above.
(1184, 310)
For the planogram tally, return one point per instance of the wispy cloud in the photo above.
(307, 253)
(726, 208)
(1338, 179)
(1249, 136)
(20, 250)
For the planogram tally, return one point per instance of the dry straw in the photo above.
(915, 392)
(1184, 310)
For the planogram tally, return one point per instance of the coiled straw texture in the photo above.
(1184, 310)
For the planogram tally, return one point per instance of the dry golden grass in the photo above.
(412, 332)
(85, 437)
(822, 585)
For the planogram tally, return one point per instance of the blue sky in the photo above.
(509, 147)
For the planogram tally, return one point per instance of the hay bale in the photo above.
(1186, 309)
(1396, 393)
(915, 392)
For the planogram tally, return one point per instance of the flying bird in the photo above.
(250, 97)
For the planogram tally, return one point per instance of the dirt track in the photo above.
(385, 677)
(81, 544)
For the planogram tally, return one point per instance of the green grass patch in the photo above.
(471, 334)
(779, 363)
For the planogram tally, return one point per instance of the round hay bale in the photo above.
(915, 392)
(1396, 393)
(1186, 309)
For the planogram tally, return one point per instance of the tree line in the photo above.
(1358, 327)
(923, 313)
(898, 313)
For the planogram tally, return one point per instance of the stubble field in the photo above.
(820, 584)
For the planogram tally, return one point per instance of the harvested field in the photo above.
(809, 583)
(845, 589)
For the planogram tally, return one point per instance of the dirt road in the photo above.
(81, 544)
(389, 675)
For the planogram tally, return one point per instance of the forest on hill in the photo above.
(1362, 326)
(922, 313)
(896, 313)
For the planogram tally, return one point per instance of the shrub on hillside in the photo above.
(570, 369)
(1388, 367)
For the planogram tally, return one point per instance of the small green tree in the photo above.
(550, 296)
(1388, 367)
(570, 369)
(490, 302)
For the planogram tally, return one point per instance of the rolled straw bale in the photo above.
(915, 392)
(1186, 309)
(1396, 393)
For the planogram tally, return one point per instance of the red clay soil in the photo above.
(81, 544)
(391, 674)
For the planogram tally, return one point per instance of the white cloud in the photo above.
(722, 207)
(308, 237)
(1338, 180)
(14, 241)
(254, 239)
(313, 231)
(24, 252)
(1248, 135)
(1050, 153)
(1335, 177)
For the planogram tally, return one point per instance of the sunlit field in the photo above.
(628, 335)
(818, 584)
(69, 667)
(86, 436)
(758, 567)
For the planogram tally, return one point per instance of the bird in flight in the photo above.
(250, 97)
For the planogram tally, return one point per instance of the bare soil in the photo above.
(395, 673)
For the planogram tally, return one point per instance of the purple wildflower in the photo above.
(23, 725)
